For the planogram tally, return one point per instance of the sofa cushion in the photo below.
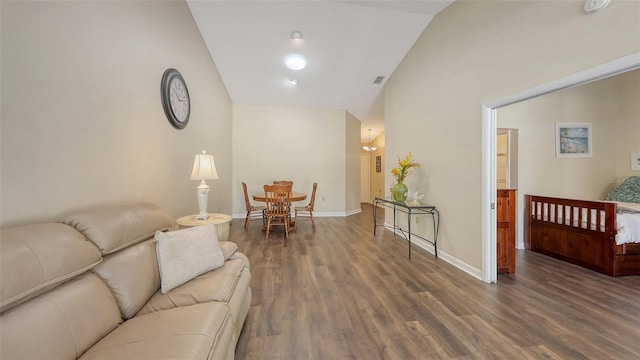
(216, 285)
(202, 331)
(39, 257)
(60, 324)
(132, 275)
(187, 253)
(116, 227)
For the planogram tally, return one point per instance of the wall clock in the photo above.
(175, 98)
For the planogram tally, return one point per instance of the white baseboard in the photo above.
(476, 273)
(315, 214)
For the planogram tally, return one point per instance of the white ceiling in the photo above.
(347, 44)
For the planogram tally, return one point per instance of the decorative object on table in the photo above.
(369, 148)
(399, 189)
(204, 168)
(414, 197)
(175, 98)
(573, 140)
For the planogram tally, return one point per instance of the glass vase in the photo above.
(399, 191)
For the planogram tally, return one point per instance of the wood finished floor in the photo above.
(341, 293)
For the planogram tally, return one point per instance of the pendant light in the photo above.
(369, 147)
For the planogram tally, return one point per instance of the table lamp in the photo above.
(204, 168)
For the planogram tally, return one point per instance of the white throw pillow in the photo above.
(187, 253)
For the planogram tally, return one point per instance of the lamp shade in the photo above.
(204, 167)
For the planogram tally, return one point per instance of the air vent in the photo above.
(378, 80)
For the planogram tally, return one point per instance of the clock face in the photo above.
(175, 98)
(179, 98)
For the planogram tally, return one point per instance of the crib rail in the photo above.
(587, 215)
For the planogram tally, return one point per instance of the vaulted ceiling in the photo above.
(347, 45)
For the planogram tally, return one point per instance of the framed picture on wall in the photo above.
(378, 163)
(573, 140)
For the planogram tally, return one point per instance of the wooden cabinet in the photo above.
(506, 230)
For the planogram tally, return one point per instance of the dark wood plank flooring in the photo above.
(341, 293)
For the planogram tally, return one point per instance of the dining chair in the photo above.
(306, 212)
(283, 182)
(253, 212)
(278, 210)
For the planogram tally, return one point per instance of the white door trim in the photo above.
(489, 128)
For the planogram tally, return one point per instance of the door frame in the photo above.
(489, 129)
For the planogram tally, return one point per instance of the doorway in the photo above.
(489, 146)
(365, 178)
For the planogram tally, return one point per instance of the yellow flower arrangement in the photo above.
(404, 170)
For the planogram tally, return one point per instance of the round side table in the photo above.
(220, 221)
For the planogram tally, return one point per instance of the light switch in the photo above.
(635, 161)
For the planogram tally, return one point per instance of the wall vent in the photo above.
(378, 80)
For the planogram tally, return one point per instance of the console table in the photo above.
(409, 209)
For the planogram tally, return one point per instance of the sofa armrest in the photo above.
(228, 248)
(241, 256)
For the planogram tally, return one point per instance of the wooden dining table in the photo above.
(295, 196)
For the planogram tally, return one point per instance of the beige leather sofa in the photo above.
(89, 288)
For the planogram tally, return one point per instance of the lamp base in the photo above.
(202, 217)
(203, 199)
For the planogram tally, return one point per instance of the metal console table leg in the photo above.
(410, 210)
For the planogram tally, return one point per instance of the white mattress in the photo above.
(628, 223)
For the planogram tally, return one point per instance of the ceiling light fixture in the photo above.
(295, 62)
(370, 148)
(296, 35)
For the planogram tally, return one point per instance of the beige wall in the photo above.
(300, 144)
(82, 120)
(474, 52)
(601, 104)
(628, 140)
(610, 106)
